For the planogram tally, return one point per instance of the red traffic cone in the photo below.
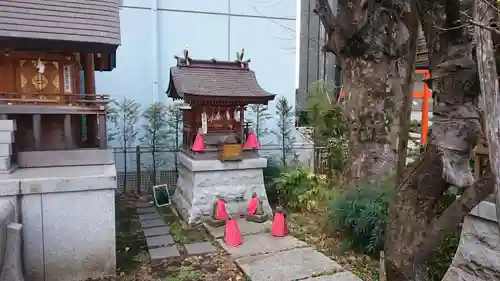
(199, 144)
(252, 206)
(220, 212)
(279, 228)
(232, 234)
(252, 142)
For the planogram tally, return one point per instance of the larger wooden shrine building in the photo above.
(49, 51)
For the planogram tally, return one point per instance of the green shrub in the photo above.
(271, 172)
(299, 189)
(360, 214)
(443, 256)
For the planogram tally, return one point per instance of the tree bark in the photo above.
(416, 223)
(488, 78)
(370, 39)
(362, 37)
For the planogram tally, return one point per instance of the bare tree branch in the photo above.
(326, 15)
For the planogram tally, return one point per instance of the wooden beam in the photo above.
(103, 136)
(89, 82)
(242, 122)
(37, 131)
(68, 132)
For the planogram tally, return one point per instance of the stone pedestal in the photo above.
(12, 269)
(66, 201)
(200, 181)
(478, 255)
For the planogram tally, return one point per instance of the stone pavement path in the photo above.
(160, 242)
(266, 258)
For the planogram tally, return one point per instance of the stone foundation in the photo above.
(67, 213)
(478, 255)
(200, 181)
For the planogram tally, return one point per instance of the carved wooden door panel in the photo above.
(40, 85)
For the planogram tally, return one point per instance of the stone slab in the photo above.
(262, 243)
(6, 137)
(216, 165)
(340, 276)
(75, 227)
(156, 231)
(245, 226)
(153, 223)
(149, 216)
(8, 125)
(199, 248)
(5, 149)
(144, 204)
(147, 210)
(5, 163)
(286, 265)
(79, 157)
(159, 241)
(485, 210)
(159, 254)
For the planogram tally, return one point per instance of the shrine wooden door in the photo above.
(40, 81)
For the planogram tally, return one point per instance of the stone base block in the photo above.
(68, 216)
(7, 125)
(5, 163)
(6, 137)
(79, 157)
(258, 218)
(200, 181)
(5, 149)
(478, 254)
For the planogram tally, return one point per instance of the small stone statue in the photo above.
(219, 214)
(256, 210)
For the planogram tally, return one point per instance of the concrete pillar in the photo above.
(12, 270)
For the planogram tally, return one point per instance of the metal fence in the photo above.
(137, 170)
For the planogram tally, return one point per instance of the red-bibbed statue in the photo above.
(279, 227)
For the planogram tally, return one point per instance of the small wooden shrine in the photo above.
(219, 157)
(217, 93)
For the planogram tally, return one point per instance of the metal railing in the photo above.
(92, 101)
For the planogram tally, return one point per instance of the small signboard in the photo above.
(231, 152)
(161, 195)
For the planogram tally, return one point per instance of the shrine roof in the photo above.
(213, 78)
(69, 25)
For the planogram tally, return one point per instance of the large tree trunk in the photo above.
(362, 37)
(417, 223)
(370, 39)
(484, 13)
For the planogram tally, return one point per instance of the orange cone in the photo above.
(252, 206)
(279, 228)
(232, 234)
(220, 212)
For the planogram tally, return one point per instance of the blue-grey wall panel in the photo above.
(132, 77)
(210, 6)
(138, 3)
(270, 44)
(207, 39)
(268, 8)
